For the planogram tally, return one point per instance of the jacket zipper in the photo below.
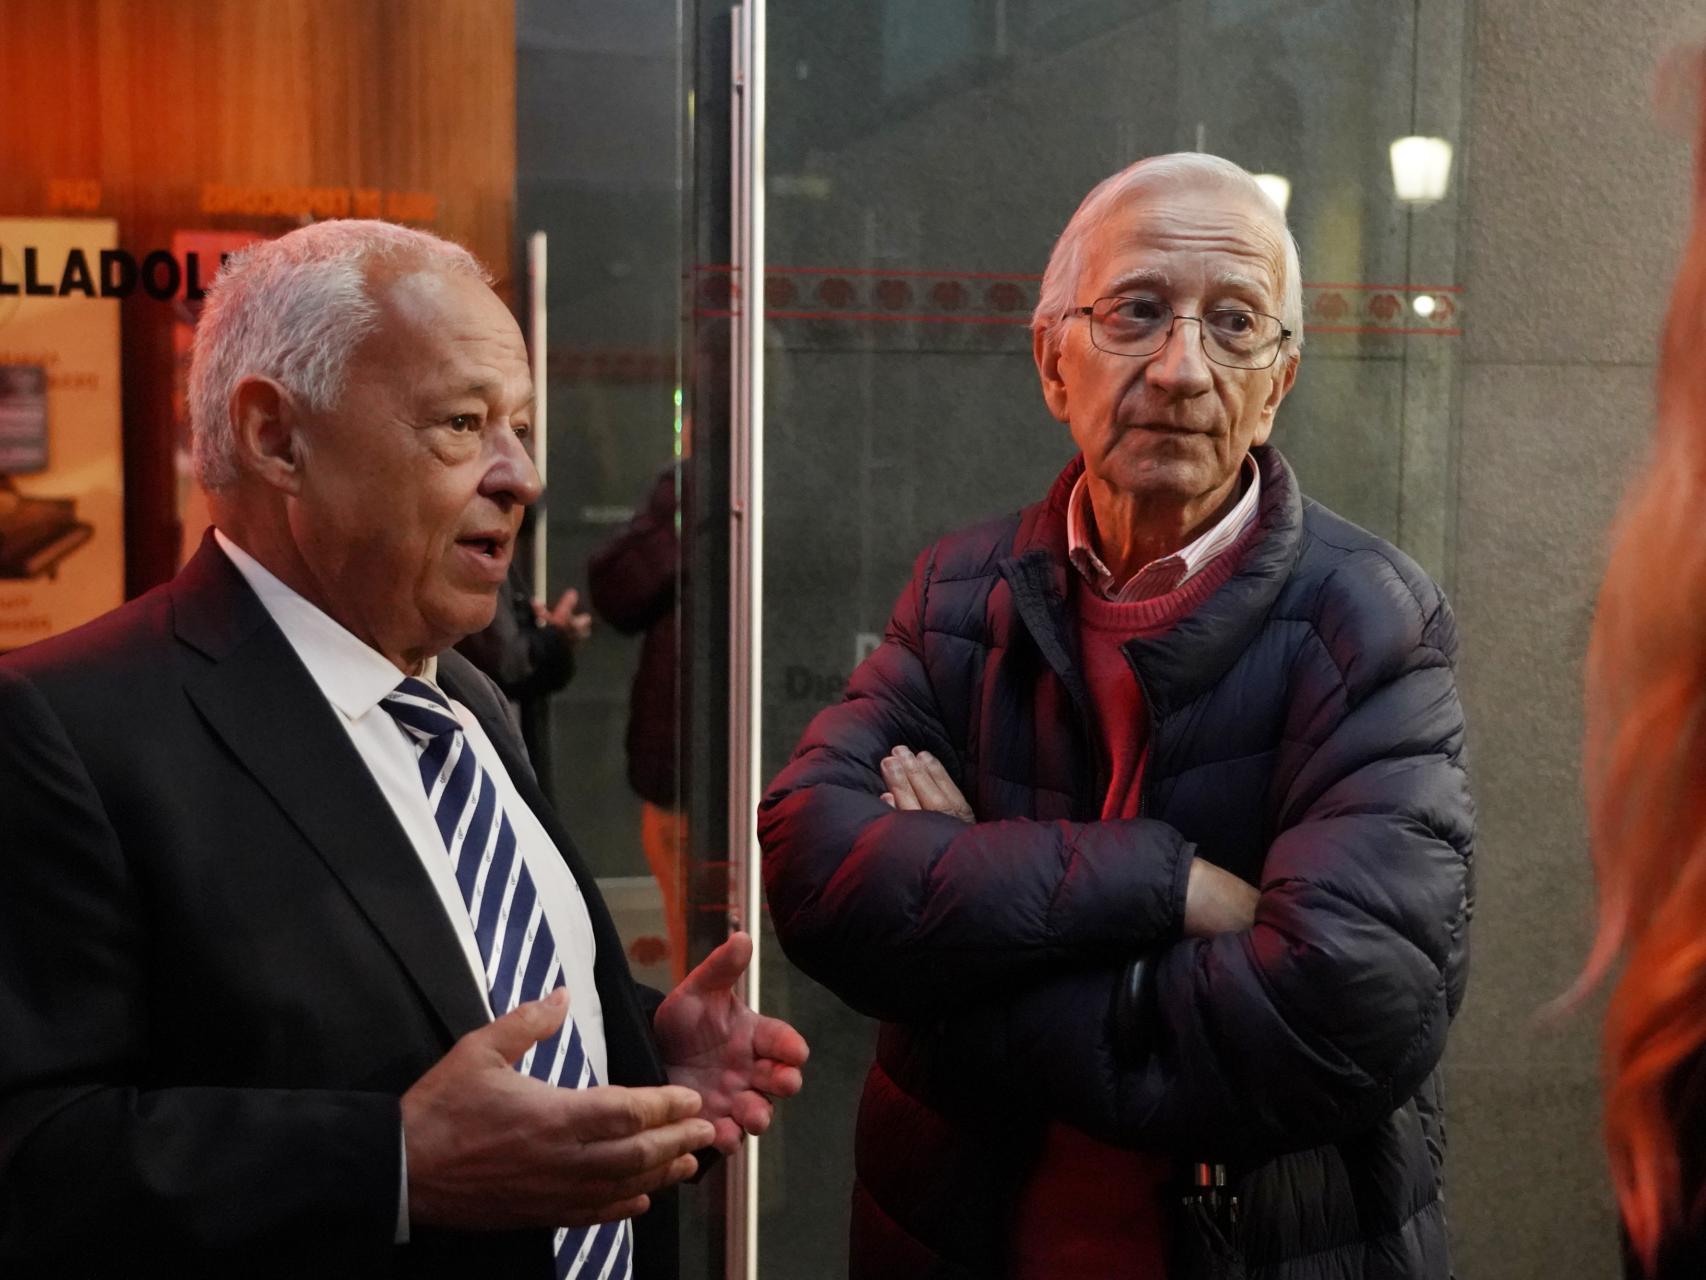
(1148, 732)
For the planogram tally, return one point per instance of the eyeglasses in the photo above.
(1234, 337)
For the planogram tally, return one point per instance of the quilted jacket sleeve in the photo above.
(908, 916)
(1332, 1009)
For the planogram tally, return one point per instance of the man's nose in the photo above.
(512, 472)
(1181, 366)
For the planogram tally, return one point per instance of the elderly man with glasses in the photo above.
(1146, 832)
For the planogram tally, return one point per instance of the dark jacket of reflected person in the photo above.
(1255, 966)
(530, 655)
(633, 580)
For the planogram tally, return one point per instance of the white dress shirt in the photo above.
(354, 679)
(1171, 572)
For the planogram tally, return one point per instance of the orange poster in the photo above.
(61, 449)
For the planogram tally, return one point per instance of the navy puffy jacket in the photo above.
(1306, 735)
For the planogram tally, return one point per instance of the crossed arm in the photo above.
(1102, 972)
(1216, 901)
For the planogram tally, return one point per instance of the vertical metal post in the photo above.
(538, 310)
(746, 559)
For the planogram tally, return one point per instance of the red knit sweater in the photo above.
(1089, 1209)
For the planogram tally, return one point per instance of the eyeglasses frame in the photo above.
(1202, 340)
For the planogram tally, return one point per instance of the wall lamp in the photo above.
(1421, 169)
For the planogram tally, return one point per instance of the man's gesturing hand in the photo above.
(735, 1059)
(491, 1148)
(918, 781)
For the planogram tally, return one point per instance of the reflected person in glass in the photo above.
(1146, 831)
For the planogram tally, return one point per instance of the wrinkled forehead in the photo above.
(1200, 233)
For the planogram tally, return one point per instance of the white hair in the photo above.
(1066, 263)
(293, 310)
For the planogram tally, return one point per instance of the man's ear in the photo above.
(1284, 377)
(1045, 350)
(265, 427)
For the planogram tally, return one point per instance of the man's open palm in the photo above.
(735, 1059)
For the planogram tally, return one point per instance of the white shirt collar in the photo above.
(1170, 571)
(353, 675)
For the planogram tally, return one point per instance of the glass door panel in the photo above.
(922, 157)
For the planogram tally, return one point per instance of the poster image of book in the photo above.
(61, 449)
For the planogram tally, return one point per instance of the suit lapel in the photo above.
(260, 700)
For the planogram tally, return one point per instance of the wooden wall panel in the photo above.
(157, 99)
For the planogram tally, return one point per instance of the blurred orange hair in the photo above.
(1645, 768)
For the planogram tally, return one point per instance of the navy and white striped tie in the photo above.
(509, 925)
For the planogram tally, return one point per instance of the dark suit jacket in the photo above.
(221, 962)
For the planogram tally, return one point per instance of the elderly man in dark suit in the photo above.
(299, 975)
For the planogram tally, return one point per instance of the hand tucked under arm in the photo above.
(1216, 901)
(917, 781)
(737, 1060)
